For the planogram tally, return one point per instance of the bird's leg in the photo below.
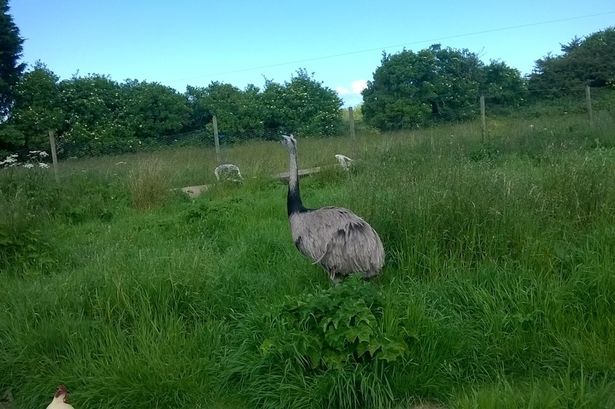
(336, 279)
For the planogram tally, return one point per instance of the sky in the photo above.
(191, 42)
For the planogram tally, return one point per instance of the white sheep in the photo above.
(228, 171)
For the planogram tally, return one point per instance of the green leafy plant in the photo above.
(338, 326)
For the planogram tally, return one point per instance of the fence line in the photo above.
(483, 107)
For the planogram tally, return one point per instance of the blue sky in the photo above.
(189, 42)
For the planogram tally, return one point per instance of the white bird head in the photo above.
(289, 141)
(61, 392)
(60, 399)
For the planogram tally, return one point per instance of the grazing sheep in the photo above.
(228, 171)
(345, 161)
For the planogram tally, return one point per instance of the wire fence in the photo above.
(213, 146)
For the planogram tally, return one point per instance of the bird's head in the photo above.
(289, 141)
(61, 393)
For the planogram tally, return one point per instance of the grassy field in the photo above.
(498, 291)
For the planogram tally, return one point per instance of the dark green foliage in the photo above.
(502, 86)
(239, 113)
(37, 109)
(10, 53)
(588, 61)
(334, 328)
(94, 115)
(434, 85)
(103, 116)
(11, 138)
(95, 120)
(334, 339)
(154, 111)
(303, 106)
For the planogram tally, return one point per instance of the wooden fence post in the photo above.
(588, 98)
(353, 136)
(216, 139)
(483, 121)
(351, 122)
(54, 154)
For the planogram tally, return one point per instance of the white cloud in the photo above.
(352, 94)
(355, 88)
(358, 86)
(342, 91)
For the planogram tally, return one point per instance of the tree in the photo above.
(276, 112)
(37, 108)
(302, 105)
(10, 53)
(95, 116)
(152, 110)
(104, 116)
(315, 108)
(502, 85)
(588, 61)
(200, 114)
(238, 112)
(414, 89)
(436, 84)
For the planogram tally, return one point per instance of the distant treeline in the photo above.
(93, 115)
(443, 84)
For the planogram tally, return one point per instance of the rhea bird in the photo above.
(333, 237)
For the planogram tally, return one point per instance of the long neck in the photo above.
(293, 201)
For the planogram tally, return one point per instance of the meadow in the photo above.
(498, 290)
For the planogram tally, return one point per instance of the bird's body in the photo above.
(60, 399)
(338, 240)
(333, 237)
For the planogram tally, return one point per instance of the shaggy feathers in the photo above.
(333, 237)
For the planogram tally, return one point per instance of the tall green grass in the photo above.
(497, 291)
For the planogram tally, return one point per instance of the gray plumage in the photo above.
(333, 237)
